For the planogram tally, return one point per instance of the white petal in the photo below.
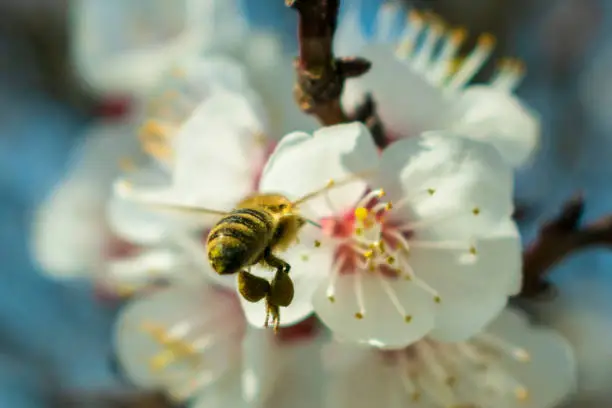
(499, 118)
(218, 152)
(405, 101)
(382, 325)
(135, 213)
(473, 289)
(358, 378)
(198, 317)
(471, 185)
(302, 164)
(550, 375)
(226, 392)
(151, 266)
(144, 40)
(309, 267)
(69, 231)
(263, 362)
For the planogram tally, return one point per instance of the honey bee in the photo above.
(260, 227)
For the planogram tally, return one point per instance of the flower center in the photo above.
(469, 374)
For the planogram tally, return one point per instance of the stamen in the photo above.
(407, 383)
(502, 346)
(407, 269)
(472, 63)
(358, 288)
(509, 75)
(411, 33)
(174, 348)
(458, 245)
(369, 197)
(394, 299)
(423, 57)
(335, 272)
(441, 70)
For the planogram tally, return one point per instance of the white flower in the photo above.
(512, 364)
(418, 88)
(126, 46)
(193, 343)
(440, 257)
(70, 231)
(209, 134)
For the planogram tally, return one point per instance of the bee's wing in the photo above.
(196, 215)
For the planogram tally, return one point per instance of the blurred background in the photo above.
(55, 338)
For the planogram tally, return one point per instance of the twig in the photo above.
(559, 238)
(320, 75)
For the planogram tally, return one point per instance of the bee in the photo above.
(254, 233)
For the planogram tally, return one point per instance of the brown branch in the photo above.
(556, 240)
(320, 75)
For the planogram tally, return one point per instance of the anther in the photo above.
(381, 193)
(486, 40)
(358, 315)
(305, 258)
(458, 35)
(368, 254)
(361, 213)
(473, 250)
(317, 244)
(331, 298)
(331, 182)
(476, 211)
(437, 299)
(390, 260)
(521, 393)
(431, 191)
(407, 318)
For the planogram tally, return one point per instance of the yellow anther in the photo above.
(358, 315)
(359, 231)
(437, 299)
(521, 393)
(368, 254)
(331, 182)
(486, 40)
(381, 193)
(458, 35)
(407, 318)
(388, 207)
(473, 250)
(317, 244)
(361, 213)
(431, 191)
(476, 211)
(414, 16)
(390, 260)
(331, 298)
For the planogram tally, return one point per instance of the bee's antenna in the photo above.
(331, 184)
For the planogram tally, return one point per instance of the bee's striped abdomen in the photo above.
(238, 239)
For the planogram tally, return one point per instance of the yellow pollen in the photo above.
(407, 318)
(390, 260)
(476, 211)
(437, 299)
(371, 267)
(359, 231)
(486, 40)
(331, 182)
(331, 298)
(381, 193)
(361, 213)
(521, 393)
(358, 315)
(431, 191)
(317, 244)
(458, 35)
(473, 250)
(414, 16)
(388, 206)
(368, 254)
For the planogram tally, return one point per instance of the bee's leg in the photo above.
(272, 315)
(251, 287)
(276, 263)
